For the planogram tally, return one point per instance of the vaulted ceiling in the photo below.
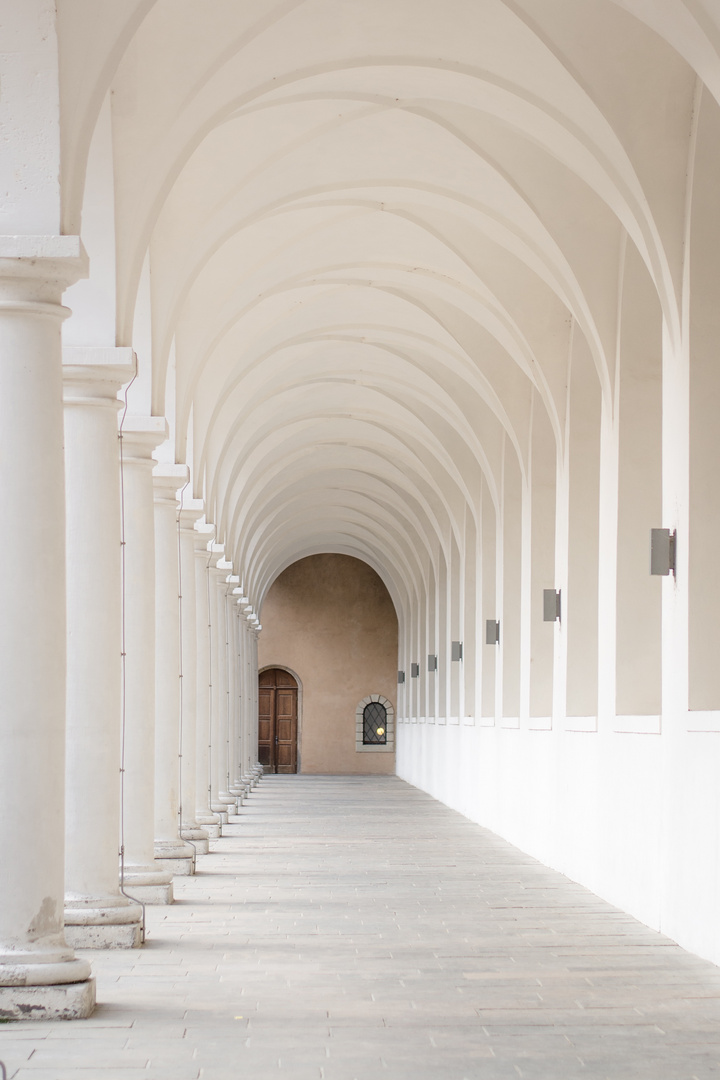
(367, 232)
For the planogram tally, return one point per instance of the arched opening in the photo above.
(277, 721)
(330, 619)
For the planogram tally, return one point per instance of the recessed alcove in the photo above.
(330, 619)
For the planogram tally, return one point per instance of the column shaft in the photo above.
(221, 800)
(257, 768)
(142, 878)
(39, 974)
(192, 509)
(171, 851)
(209, 820)
(97, 915)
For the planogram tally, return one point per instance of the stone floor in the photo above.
(353, 928)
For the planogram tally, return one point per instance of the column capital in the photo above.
(94, 376)
(167, 481)
(36, 270)
(141, 435)
(217, 554)
(190, 512)
(204, 534)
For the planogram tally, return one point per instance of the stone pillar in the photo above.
(240, 600)
(204, 815)
(248, 755)
(40, 977)
(240, 698)
(171, 851)
(255, 629)
(221, 800)
(141, 877)
(97, 915)
(190, 829)
(234, 786)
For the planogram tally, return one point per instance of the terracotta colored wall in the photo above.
(330, 619)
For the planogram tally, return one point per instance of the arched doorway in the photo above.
(277, 721)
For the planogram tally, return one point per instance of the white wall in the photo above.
(632, 817)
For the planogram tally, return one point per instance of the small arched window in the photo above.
(374, 724)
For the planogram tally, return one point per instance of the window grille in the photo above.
(374, 724)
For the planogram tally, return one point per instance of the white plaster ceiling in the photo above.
(372, 226)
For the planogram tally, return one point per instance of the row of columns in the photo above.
(126, 712)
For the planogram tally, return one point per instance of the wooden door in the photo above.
(277, 721)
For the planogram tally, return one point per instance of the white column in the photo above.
(248, 756)
(171, 851)
(203, 815)
(222, 802)
(141, 878)
(97, 915)
(190, 829)
(255, 628)
(39, 973)
(234, 786)
(241, 690)
(240, 684)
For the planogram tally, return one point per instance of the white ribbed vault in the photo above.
(371, 231)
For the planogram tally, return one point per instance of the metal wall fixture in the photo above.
(663, 545)
(492, 631)
(414, 671)
(401, 676)
(551, 605)
(456, 653)
(432, 662)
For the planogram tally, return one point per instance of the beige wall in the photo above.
(330, 619)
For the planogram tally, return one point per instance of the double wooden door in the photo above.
(277, 721)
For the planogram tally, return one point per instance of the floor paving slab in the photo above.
(352, 928)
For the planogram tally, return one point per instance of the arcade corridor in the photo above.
(353, 927)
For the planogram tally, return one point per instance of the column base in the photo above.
(113, 936)
(214, 831)
(221, 811)
(64, 1001)
(198, 838)
(178, 867)
(175, 856)
(148, 884)
(111, 926)
(210, 823)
